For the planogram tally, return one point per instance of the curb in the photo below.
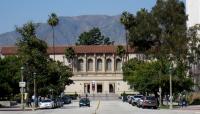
(17, 109)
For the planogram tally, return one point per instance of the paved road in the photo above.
(105, 107)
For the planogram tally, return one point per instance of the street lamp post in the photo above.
(172, 66)
(34, 81)
(170, 83)
(22, 89)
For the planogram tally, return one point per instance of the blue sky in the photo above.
(18, 12)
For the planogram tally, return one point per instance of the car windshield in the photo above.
(84, 100)
(138, 96)
(150, 98)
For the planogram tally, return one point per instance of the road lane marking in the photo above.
(97, 107)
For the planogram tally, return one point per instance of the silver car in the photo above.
(46, 104)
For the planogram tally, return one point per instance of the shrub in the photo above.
(196, 102)
(194, 98)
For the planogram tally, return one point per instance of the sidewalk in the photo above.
(17, 108)
(190, 107)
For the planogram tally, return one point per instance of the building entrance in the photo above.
(112, 88)
(99, 88)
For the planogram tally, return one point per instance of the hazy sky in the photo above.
(18, 12)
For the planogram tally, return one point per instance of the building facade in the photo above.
(97, 69)
(193, 12)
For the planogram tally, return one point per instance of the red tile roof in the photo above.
(8, 50)
(78, 49)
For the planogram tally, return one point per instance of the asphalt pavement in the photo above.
(105, 107)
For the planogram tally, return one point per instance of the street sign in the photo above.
(22, 84)
(22, 90)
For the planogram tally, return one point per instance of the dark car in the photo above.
(84, 102)
(148, 102)
(67, 99)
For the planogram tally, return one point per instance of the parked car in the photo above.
(84, 102)
(60, 102)
(130, 98)
(66, 99)
(139, 102)
(135, 99)
(46, 104)
(148, 102)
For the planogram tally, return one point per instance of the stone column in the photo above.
(106, 87)
(113, 63)
(104, 63)
(94, 63)
(85, 60)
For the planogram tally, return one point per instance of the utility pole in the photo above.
(34, 81)
(22, 89)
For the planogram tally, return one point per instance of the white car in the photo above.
(46, 104)
(135, 99)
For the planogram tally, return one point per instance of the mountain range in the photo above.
(69, 29)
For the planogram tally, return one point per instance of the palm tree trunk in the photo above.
(126, 45)
(53, 44)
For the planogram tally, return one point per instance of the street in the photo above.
(105, 107)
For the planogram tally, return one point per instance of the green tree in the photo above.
(144, 76)
(128, 20)
(57, 78)
(33, 54)
(161, 34)
(120, 51)
(70, 54)
(194, 50)
(9, 77)
(53, 21)
(93, 37)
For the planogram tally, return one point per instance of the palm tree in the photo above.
(127, 20)
(53, 21)
(70, 54)
(120, 51)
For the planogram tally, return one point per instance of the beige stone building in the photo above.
(97, 69)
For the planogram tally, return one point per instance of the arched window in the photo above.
(108, 65)
(90, 65)
(118, 65)
(80, 65)
(99, 65)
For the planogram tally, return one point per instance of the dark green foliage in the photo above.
(195, 102)
(144, 76)
(56, 79)
(53, 20)
(127, 19)
(33, 54)
(120, 51)
(9, 77)
(161, 34)
(69, 53)
(93, 37)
